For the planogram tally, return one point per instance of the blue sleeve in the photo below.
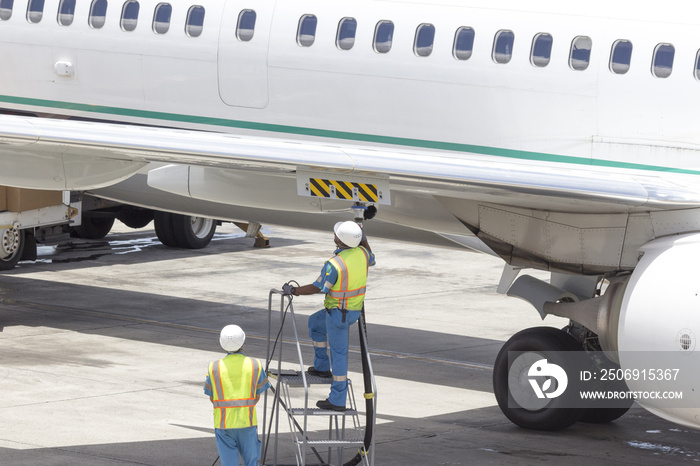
(207, 387)
(327, 279)
(372, 260)
(263, 383)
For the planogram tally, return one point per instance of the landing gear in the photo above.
(184, 231)
(163, 224)
(11, 247)
(516, 396)
(93, 227)
(603, 415)
(513, 389)
(610, 409)
(193, 232)
(135, 217)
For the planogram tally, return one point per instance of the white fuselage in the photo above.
(270, 85)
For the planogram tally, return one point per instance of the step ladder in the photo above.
(345, 434)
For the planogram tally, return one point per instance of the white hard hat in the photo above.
(232, 338)
(349, 233)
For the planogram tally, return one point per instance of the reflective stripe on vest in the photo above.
(234, 380)
(348, 292)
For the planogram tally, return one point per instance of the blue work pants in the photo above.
(325, 326)
(234, 442)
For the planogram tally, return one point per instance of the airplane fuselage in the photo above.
(272, 85)
(561, 135)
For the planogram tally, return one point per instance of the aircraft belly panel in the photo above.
(334, 185)
(554, 242)
(239, 187)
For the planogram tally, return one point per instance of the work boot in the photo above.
(324, 374)
(325, 404)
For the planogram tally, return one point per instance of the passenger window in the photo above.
(98, 11)
(6, 9)
(345, 38)
(621, 56)
(697, 66)
(306, 33)
(464, 43)
(503, 46)
(35, 10)
(662, 64)
(195, 21)
(423, 42)
(580, 54)
(66, 10)
(130, 15)
(161, 18)
(246, 25)
(383, 36)
(541, 50)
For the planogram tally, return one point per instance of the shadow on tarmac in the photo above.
(171, 321)
(475, 437)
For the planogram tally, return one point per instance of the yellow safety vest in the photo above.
(348, 292)
(234, 386)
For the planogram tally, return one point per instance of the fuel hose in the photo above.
(369, 396)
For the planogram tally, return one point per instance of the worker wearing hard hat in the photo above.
(234, 385)
(343, 279)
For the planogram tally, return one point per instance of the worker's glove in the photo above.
(288, 289)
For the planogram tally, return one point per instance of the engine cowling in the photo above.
(659, 322)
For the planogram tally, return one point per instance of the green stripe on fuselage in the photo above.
(343, 135)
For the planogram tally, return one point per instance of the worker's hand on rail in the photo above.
(287, 289)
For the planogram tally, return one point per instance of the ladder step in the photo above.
(285, 372)
(332, 443)
(322, 412)
(298, 380)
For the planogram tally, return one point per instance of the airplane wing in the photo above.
(54, 154)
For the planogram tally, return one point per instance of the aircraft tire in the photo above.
(11, 245)
(549, 414)
(603, 414)
(193, 232)
(93, 227)
(135, 217)
(163, 224)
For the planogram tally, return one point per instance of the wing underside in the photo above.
(567, 216)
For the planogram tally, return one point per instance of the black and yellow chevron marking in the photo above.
(344, 190)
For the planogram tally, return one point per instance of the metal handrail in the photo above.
(280, 339)
(301, 444)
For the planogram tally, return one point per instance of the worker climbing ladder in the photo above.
(344, 431)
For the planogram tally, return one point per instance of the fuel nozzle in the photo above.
(363, 212)
(358, 211)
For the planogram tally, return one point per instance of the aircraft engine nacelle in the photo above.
(660, 320)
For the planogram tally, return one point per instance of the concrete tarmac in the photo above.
(104, 348)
